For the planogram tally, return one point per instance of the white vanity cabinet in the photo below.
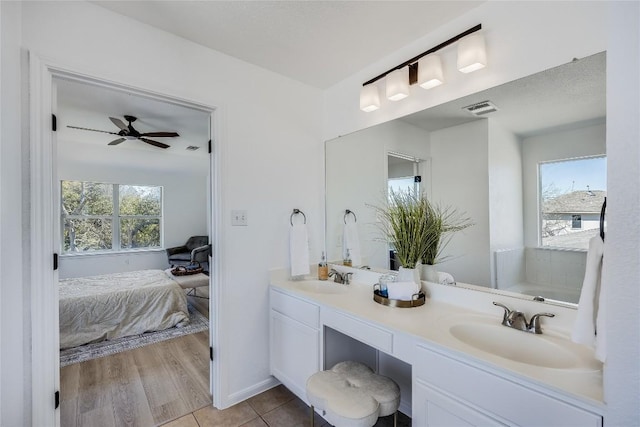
(442, 384)
(449, 392)
(295, 341)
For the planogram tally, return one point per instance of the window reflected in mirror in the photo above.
(571, 196)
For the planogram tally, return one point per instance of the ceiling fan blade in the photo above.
(159, 134)
(156, 143)
(116, 141)
(118, 123)
(94, 130)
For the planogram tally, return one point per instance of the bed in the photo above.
(110, 306)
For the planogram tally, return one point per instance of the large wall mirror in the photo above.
(527, 163)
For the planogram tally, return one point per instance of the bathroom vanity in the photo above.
(465, 368)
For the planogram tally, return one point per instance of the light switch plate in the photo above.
(239, 217)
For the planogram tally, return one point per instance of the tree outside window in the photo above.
(110, 217)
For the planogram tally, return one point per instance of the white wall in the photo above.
(400, 169)
(355, 176)
(184, 202)
(270, 131)
(14, 353)
(505, 192)
(621, 273)
(460, 177)
(582, 141)
(356, 171)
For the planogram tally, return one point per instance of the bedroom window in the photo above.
(97, 217)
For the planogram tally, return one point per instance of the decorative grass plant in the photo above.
(417, 229)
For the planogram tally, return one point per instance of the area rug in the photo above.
(198, 323)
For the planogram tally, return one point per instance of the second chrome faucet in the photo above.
(517, 320)
(340, 277)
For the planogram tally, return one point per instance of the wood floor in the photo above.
(142, 387)
(167, 383)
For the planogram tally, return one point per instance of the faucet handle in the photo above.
(507, 312)
(534, 323)
(346, 277)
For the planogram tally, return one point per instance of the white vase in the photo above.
(429, 273)
(408, 275)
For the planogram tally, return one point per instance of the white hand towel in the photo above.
(402, 290)
(590, 311)
(351, 242)
(299, 250)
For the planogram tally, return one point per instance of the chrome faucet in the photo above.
(517, 320)
(340, 277)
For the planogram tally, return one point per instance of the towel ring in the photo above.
(347, 212)
(296, 212)
(602, 213)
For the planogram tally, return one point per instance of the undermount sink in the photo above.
(321, 287)
(545, 350)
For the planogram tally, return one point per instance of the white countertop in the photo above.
(430, 324)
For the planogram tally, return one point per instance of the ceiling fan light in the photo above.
(398, 84)
(430, 72)
(369, 98)
(472, 53)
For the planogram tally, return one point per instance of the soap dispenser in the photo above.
(323, 268)
(347, 260)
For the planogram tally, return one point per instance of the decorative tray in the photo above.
(417, 301)
(187, 270)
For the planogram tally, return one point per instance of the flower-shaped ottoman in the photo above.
(352, 395)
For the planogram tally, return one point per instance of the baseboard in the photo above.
(242, 395)
(405, 407)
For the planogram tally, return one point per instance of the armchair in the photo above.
(196, 249)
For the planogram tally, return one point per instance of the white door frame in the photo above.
(44, 238)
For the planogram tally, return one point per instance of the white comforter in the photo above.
(110, 306)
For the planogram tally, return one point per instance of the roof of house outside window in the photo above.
(576, 202)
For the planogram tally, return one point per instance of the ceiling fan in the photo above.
(129, 132)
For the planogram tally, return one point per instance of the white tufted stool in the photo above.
(352, 395)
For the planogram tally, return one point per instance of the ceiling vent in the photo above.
(481, 108)
(192, 148)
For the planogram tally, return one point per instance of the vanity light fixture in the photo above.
(472, 54)
(369, 98)
(430, 72)
(425, 69)
(398, 84)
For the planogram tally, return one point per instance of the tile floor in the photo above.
(277, 407)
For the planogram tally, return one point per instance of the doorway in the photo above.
(46, 227)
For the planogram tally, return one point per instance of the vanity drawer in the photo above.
(499, 397)
(359, 330)
(302, 311)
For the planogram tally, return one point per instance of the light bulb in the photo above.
(430, 72)
(369, 98)
(398, 84)
(472, 54)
